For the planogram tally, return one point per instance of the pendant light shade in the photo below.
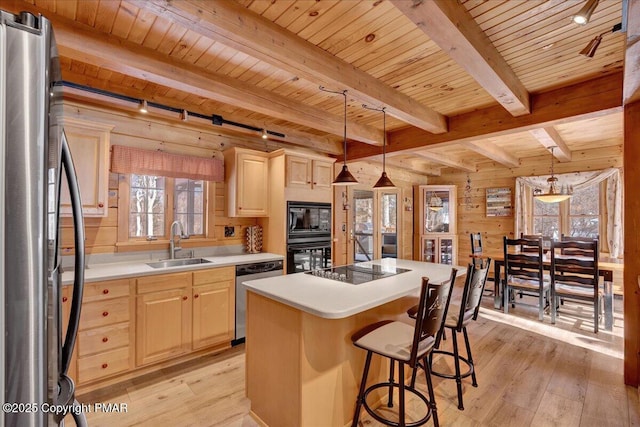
(583, 16)
(384, 181)
(344, 177)
(554, 195)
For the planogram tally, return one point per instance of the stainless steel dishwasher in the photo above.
(244, 273)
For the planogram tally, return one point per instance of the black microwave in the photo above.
(308, 221)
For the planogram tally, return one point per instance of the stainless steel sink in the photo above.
(177, 262)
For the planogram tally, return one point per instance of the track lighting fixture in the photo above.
(590, 49)
(184, 115)
(264, 134)
(583, 16)
(143, 106)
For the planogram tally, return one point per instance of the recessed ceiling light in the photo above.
(548, 46)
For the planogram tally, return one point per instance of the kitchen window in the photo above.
(154, 202)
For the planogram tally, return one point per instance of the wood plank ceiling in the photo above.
(460, 80)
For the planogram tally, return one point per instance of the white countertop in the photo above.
(97, 272)
(332, 299)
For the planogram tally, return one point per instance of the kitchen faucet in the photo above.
(172, 245)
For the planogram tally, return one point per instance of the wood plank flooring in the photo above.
(529, 374)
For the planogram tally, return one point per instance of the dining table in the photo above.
(607, 286)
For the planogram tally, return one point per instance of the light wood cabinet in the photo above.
(105, 334)
(307, 173)
(213, 307)
(435, 224)
(163, 317)
(246, 176)
(89, 145)
(65, 311)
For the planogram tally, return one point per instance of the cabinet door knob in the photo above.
(105, 339)
(308, 182)
(185, 298)
(196, 295)
(315, 183)
(239, 207)
(105, 366)
(64, 299)
(105, 291)
(105, 313)
(101, 205)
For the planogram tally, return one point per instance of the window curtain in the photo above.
(578, 180)
(145, 162)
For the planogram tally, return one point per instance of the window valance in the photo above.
(578, 180)
(145, 162)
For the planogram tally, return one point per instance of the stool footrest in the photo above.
(452, 376)
(388, 422)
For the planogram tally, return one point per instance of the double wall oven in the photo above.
(308, 236)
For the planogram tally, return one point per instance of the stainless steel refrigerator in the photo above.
(33, 155)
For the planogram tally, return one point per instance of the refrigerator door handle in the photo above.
(78, 281)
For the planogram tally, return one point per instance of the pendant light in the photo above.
(584, 15)
(553, 195)
(344, 177)
(384, 181)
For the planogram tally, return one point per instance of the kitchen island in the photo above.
(302, 369)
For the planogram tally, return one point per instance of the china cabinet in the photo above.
(435, 224)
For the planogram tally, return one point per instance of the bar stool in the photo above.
(457, 319)
(405, 344)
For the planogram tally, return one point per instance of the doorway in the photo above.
(363, 213)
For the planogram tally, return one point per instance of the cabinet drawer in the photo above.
(162, 282)
(102, 339)
(99, 291)
(214, 275)
(104, 313)
(103, 364)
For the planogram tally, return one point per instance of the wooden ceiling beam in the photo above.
(632, 55)
(446, 160)
(455, 31)
(85, 44)
(233, 25)
(415, 165)
(549, 137)
(493, 152)
(592, 98)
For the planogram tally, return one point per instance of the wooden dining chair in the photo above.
(575, 275)
(476, 247)
(575, 251)
(524, 271)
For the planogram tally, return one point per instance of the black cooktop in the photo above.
(356, 274)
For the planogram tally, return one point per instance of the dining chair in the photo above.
(546, 242)
(407, 345)
(579, 252)
(524, 271)
(476, 247)
(575, 275)
(460, 313)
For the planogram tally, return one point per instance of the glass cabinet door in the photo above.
(436, 211)
(446, 251)
(429, 250)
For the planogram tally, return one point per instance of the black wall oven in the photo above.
(308, 236)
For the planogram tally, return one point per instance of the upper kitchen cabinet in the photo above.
(309, 173)
(89, 145)
(435, 223)
(247, 180)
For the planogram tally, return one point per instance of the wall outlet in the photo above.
(229, 231)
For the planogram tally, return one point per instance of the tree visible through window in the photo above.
(146, 206)
(189, 205)
(578, 216)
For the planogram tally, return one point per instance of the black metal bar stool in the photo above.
(457, 319)
(405, 344)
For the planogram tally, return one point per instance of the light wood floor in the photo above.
(529, 374)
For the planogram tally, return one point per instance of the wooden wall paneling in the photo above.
(86, 12)
(489, 175)
(632, 245)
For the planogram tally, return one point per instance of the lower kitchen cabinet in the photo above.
(104, 337)
(163, 317)
(213, 306)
